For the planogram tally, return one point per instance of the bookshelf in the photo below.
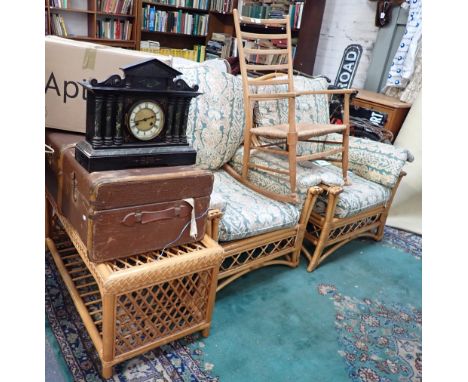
(179, 24)
(109, 22)
(192, 22)
(306, 21)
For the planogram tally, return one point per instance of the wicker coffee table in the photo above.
(132, 305)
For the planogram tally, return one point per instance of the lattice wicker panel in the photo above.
(239, 259)
(83, 280)
(335, 233)
(152, 256)
(150, 314)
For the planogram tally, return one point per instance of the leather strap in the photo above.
(145, 217)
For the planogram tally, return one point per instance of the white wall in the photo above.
(346, 22)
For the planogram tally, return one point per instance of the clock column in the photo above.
(170, 119)
(96, 140)
(118, 122)
(109, 106)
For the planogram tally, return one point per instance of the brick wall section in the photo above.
(346, 22)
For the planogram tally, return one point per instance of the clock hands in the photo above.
(143, 119)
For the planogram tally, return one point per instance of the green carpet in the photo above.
(356, 318)
(278, 324)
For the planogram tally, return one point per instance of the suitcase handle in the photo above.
(145, 217)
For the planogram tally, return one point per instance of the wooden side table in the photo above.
(393, 107)
(135, 304)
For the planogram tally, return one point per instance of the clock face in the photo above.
(146, 120)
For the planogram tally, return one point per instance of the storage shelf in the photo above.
(221, 13)
(70, 10)
(126, 43)
(89, 27)
(174, 7)
(174, 34)
(99, 13)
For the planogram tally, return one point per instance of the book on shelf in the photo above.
(58, 25)
(268, 59)
(155, 20)
(197, 4)
(295, 14)
(195, 54)
(123, 7)
(222, 6)
(221, 45)
(273, 9)
(114, 29)
(59, 3)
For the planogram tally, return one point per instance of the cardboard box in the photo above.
(67, 63)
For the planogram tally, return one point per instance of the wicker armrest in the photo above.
(212, 223)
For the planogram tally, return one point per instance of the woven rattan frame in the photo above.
(281, 247)
(132, 305)
(328, 233)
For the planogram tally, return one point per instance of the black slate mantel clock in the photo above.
(137, 121)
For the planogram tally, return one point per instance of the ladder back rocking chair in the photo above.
(287, 134)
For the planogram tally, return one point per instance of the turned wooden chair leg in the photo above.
(246, 157)
(292, 167)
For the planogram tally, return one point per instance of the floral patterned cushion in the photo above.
(216, 118)
(248, 213)
(310, 108)
(307, 177)
(375, 161)
(360, 196)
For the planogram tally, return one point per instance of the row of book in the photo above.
(198, 4)
(269, 59)
(59, 3)
(295, 12)
(221, 45)
(123, 7)
(114, 29)
(223, 6)
(272, 9)
(196, 54)
(58, 25)
(175, 22)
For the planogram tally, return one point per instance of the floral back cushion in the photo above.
(309, 108)
(216, 118)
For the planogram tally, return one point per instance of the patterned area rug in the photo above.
(356, 318)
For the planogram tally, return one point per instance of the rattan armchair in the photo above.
(273, 138)
(327, 232)
(280, 247)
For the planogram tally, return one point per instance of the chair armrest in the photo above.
(375, 161)
(272, 96)
(326, 91)
(212, 223)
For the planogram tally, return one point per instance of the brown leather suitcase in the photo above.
(126, 212)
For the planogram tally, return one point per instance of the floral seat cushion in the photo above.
(375, 161)
(307, 177)
(358, 197)
(361, 195)
(247, 213)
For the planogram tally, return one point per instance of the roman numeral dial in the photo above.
(146, 120)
